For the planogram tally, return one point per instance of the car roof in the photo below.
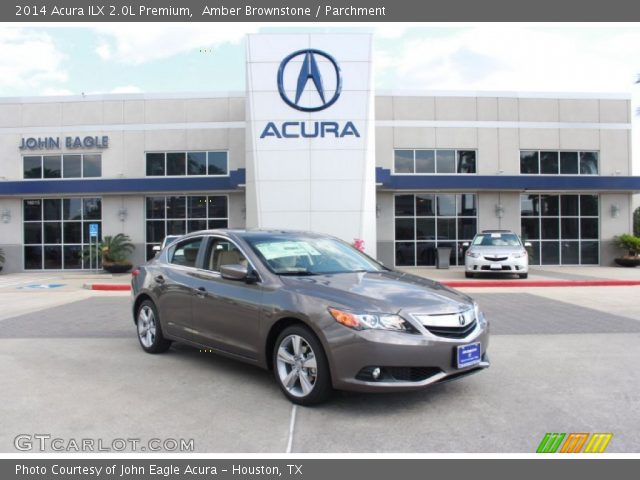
(248, 233)
(498, 231)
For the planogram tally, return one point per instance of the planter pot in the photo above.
(627, 261)
(117, 267)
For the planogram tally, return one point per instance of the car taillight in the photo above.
(135, 272)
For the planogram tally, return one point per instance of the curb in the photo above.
(107, 287)
(541, 283)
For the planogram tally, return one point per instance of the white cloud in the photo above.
(513, 58)
(144, 42)
(126, 89)
(29, 59)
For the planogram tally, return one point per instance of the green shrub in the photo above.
(630, 243)
(1, 256)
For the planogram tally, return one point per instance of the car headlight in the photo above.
(478, 314)
(365, 321)
(472, 254)
(521, 254)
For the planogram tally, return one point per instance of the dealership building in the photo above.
(311, 145)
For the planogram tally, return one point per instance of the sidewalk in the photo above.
(454, 276)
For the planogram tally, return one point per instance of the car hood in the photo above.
(385, 291)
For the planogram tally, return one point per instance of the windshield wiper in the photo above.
(300, 273)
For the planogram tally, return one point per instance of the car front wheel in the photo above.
(149, 329)
(300, 366)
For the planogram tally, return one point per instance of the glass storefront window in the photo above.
(424, 222)
(56, 231)
(177, 215)
(563, 229)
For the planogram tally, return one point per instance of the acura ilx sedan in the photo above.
(311, 308)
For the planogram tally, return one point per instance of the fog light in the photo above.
(375, 373)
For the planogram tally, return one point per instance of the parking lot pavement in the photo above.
(77, 371)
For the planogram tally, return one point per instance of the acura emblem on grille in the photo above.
(461, 319)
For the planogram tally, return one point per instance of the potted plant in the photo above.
(114, 253)
(631, 244)
(1, 259)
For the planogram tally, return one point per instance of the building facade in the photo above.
(311, 145)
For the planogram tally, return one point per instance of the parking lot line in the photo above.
(292, 426)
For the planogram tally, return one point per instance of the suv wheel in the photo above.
(300, 366)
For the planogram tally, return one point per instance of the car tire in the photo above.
(300, 382)
(523, 275)
(469, 275)
(149, 330)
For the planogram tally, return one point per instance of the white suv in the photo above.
(496, 251)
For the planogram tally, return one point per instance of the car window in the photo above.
(497, 240)
(301, 255)
(185, 253)
(223, 252)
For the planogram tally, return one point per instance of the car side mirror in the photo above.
(465, 245)
(527, 245)
(234, 271)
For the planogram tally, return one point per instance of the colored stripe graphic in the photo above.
(598, 443)
(550, 443)
(574, 442)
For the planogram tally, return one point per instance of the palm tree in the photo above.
(114, 252)
(116, 249)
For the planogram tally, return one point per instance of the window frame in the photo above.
(559, 152)
(186, 163)
(435, 160)
(62, 175)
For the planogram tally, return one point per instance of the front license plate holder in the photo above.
(468, 355)
(495, 266)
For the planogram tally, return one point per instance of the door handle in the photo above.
(159, 278)
(200, 292)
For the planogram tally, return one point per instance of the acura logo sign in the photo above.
(309, 78)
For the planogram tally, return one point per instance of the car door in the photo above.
(226, 313)
(175, 287)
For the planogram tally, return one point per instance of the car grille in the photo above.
(453, 332)
(488, 268)
(495, 259)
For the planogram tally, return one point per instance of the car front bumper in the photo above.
(508, 266)
(407, 361)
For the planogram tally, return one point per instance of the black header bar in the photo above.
(317, 11)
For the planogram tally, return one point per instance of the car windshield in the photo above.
(302, 255)
(496, 240)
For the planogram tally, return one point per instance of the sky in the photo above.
(209, 57)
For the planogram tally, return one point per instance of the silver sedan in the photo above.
(496, 251)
